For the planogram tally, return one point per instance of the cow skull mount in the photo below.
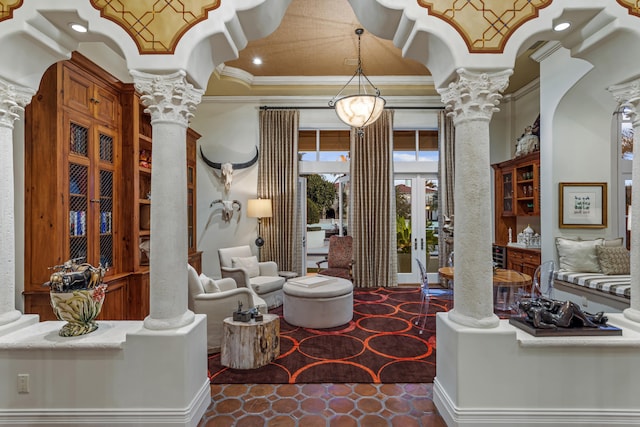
(227, 208)
(226, 169)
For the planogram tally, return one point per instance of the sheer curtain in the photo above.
(373, 220)
(278, 180)
(446, 183)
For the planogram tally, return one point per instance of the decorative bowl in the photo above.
(79, 308)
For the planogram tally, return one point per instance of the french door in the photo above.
(416, 226)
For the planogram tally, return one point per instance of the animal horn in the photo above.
(214, 202)
(247, 164)
(210, 163)
(235, 165)
(235, 202)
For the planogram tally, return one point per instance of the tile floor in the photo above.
(321, 405)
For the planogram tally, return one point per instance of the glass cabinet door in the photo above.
(507, 193)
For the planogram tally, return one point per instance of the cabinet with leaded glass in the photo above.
(73, 181)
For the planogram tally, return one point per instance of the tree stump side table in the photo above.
(250, 345)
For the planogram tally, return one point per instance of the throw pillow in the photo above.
(249, 263)
(614, 260)
(613, 242)
(578, 255)
(210, 286)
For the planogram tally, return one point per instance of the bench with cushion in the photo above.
(593, 273)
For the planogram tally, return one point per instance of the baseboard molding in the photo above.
(109, 417)
(529, 417)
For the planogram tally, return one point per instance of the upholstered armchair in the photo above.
(339, 259)
(218, 299)
(241, 265)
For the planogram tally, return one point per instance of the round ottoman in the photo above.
(324, 306)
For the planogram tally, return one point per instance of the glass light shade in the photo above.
(259, 208)
(359, 110)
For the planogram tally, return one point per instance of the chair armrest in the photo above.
(322, 262)
(228, 300)
(240, 275)
(268, 268)
(226, 284)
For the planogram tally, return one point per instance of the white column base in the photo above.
(22, 321)
(504, 376)
(122, 374)
(632, 314)
(487, 322)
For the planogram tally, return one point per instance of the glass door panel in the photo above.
(416, 226)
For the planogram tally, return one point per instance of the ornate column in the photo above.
(628, 96)
(471, 101)
(170, 100)
(12, 102)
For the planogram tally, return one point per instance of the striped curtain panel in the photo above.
(278, 180)
(372, 222)
(445, 183)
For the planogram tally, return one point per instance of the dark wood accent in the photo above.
(78, 109)
(524, 260)
(517, 193)
(564, 332)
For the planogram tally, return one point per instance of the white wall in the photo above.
(230, 131)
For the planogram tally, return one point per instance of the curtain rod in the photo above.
(267, 107)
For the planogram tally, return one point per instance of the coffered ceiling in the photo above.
(314, 51)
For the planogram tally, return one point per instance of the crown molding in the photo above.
(249, 79)
(322, 102)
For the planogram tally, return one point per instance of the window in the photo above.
(415, 145)
(323, 145)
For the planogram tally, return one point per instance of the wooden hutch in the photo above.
(88, 160)
(517, 193)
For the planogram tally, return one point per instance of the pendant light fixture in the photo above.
(363, 108)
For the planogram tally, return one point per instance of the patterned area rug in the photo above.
(381, 344)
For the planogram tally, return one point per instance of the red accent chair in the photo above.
(339, 259)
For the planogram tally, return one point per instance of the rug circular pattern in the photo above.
(369, 297)
(399, 346)
(411, 308)
(341, 347)
(377, 324)
(398, 368)
(366, 309)
(358, 373)
(381, 344)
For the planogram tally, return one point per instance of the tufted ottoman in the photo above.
(324, 306)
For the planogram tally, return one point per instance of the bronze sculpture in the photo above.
(546, 313)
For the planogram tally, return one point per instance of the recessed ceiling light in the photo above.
(561, 26)
(257, 61)
(78, 27)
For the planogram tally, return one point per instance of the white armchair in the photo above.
(218, 299)
(241, 265)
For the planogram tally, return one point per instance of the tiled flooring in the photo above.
(321, 405)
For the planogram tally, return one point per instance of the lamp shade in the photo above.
(259, 208)
(359, 110)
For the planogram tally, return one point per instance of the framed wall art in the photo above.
(583, 205)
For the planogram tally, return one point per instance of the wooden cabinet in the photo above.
(517, 193)
(524, 260)
(88, 184)
(72, 177)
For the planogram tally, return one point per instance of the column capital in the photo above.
(168, 97)
(628, 96)
(475, 95)
(12, 102)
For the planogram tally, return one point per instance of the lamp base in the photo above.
(259, 242)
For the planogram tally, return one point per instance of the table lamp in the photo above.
(259, 208)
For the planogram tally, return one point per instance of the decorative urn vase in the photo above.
(77, 293)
